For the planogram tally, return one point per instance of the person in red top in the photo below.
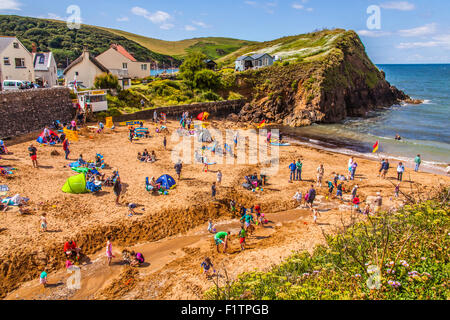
(356, 202)
(66, 147)
(70, 248)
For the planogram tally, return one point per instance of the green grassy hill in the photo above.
(300, 47)
(67, 45)
(213, 47)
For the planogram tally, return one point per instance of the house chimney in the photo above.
(33, 48)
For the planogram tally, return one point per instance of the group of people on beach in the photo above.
(245, 215)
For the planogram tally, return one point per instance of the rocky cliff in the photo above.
(324, 88)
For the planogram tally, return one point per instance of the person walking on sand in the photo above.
(155, 117)
(353, 170)
(400, 171)
(320, 174)
(219, 177)
(315, 214)
(165, 142)
(299, 166)
(350, 164)
(33, 155)
(418, 162)
(44, 222)
(65, 146)
(311, 197)
(385, 168)
(380, 172)
(178, 167)
(354, 191)
(213, 191)
(117, 189)
(397, 190)
(292, 167)
(339, 190)
(242, 236)
(109, 253)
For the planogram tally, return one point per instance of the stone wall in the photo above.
(216, 109)
(25, 111)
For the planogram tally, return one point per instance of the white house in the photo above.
(117, 58)
(45, 69)
(16, 61)
(253, 62)
(84, 69)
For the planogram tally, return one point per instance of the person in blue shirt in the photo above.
(385, 169)
(293, 168)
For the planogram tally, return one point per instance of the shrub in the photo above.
(206, 80)
(210, 96)
(235, 96)
(194, 62)
(107, 81)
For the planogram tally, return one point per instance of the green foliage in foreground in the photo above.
(410, 247)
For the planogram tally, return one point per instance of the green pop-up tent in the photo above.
(75, 185)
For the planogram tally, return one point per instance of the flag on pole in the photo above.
(376, 147)
(262, 124)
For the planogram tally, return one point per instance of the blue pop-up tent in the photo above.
(167, 182)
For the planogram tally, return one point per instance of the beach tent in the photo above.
(167, 182)
(75, 184)
(41, 138)
(203, 116)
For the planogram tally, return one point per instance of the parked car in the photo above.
(9, 85)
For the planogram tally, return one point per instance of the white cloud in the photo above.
(441, 41)
(167, 26)
(190, 28)
(268, 6)
(298, 6)
(200, 24)
(123, 19)
(159, 17)
(10, 5)
(373, 34)
(398, 5)
(419, 31)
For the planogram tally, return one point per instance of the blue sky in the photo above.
(415, 31)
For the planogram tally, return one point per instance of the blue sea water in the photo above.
(425, 128)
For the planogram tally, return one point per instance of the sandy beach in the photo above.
(169, 229)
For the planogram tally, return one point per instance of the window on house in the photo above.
(20, 62)
(124, 65)
(144, 67)
(16, 45)
(41, 59)
(6, 61)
